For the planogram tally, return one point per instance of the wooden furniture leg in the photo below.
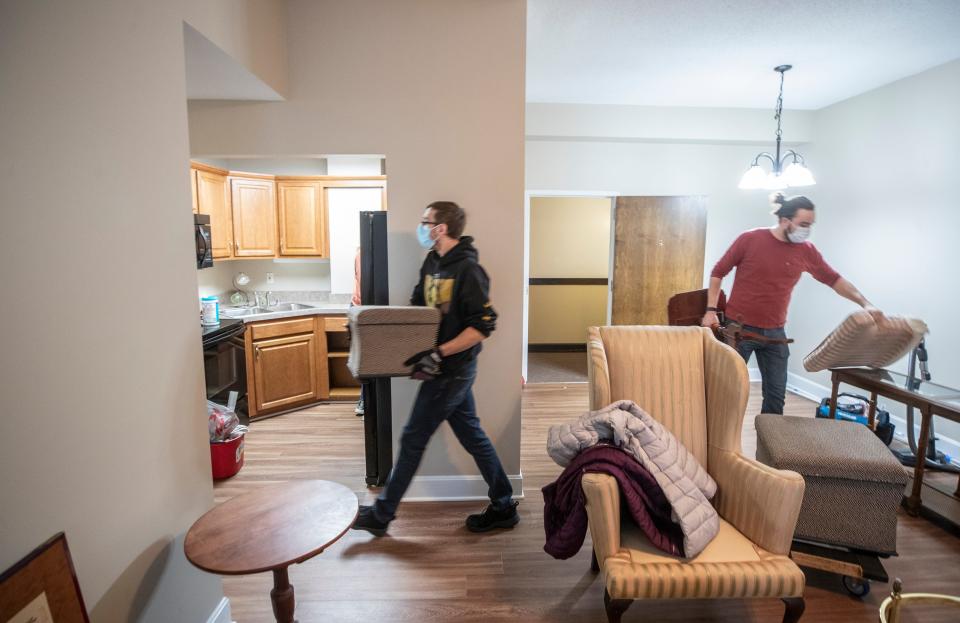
(794, 610)
(872, 416)
(282, 596)
(914, 502)
(615, 607)
(835, 379)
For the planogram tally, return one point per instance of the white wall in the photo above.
(641, 168)
(103, 433)
(311, 276)
(888, 214)
(437, 87)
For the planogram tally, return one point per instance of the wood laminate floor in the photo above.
(431, 569)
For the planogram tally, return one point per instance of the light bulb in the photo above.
(775, 182)
(798, 175)
(753, 178)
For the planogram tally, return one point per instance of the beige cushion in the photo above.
(661, 369)
(730, 567)
(861, 341)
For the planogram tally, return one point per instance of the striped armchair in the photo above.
(697, 387)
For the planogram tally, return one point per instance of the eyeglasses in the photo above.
(429, 223)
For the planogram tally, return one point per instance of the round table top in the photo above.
(271, 527)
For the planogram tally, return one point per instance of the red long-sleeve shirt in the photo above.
(767, 271)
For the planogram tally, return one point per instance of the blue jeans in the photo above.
(447, 398)
(772, 361)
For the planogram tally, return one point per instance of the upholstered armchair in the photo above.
(697, 387)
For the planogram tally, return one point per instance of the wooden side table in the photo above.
(929, 399)
(270, 529)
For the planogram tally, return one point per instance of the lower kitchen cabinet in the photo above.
(285, 371)
(296, 362)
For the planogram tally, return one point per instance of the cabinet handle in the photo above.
(236, 245)
(256, 353)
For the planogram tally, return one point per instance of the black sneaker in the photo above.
(366, 520)
(491, 519)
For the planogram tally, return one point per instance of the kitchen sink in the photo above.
(240, 312)
(290, 307)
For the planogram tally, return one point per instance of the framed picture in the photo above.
(42, 587)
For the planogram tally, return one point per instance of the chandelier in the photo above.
(795, 174)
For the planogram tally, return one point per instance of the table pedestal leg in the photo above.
(282, 596)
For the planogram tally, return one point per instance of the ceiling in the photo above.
(721, 53)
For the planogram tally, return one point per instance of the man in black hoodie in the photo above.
(452, 281)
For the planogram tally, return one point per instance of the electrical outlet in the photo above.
(269, 277)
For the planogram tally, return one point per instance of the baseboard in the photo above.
(806, 388)
(455, 488)
(814, 391)
(221, 614)
(557, 348)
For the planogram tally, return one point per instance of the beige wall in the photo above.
(561, 314)
(253, 32)
(437, 87)
(569, 237)
(103, 433)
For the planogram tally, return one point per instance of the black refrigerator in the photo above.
(374, 290)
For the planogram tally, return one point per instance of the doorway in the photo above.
(596, 258)
(566, 290)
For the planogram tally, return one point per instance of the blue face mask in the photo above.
(423, 236)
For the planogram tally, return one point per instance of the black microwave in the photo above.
(201, 226)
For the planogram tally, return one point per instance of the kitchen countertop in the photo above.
(317, 309)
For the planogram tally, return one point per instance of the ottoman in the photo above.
(854, 484)
(382, 338)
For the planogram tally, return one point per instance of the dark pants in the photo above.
(446, 398)
(772, 361)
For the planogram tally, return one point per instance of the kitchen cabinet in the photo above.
(193, 190)
(302, 219)
(286, 364)
(341, 383)
(253, 200)
(213, 198)
(296, 362)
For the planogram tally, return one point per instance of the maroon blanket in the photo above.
(564, 505)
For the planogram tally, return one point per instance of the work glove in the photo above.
(426, 365)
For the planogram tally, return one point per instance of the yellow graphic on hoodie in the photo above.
(438, 292)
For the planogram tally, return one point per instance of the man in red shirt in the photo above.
(769, 263)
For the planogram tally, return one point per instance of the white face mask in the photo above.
(798, 235)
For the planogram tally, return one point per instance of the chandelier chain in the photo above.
(779, 113)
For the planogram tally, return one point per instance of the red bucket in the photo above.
(226, 457)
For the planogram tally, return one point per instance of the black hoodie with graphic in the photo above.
(459, 287)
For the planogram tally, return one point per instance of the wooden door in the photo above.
(302, 219)
(254, 217)
(213, 198)
(658, 252)
(285, 371)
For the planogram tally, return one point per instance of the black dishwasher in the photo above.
(225, 364)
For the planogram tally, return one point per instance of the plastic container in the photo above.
(226, 457)
(210, 311)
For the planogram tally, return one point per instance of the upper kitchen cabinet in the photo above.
(193, 190)
(213, 198)
(302, 219)
(254, 216)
